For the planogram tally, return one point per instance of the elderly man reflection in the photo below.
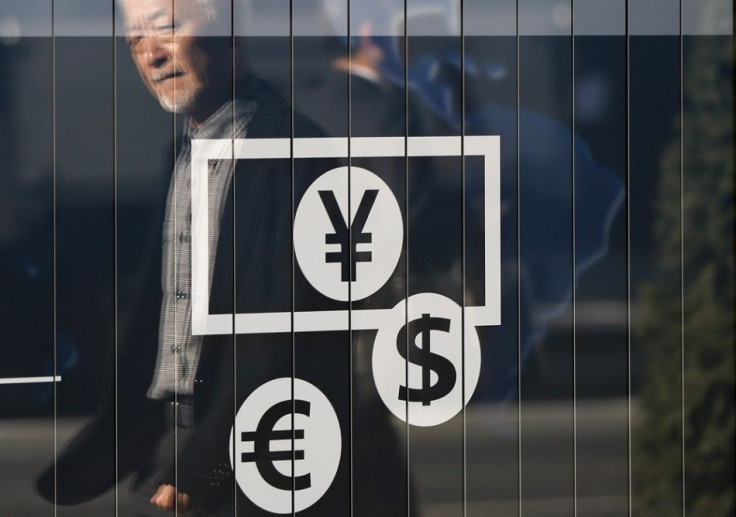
(172, 407)
(188, 74)
(171, 412)
(184, 70)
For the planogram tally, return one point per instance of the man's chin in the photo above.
(178, 106)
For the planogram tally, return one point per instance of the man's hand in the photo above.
(166, 497)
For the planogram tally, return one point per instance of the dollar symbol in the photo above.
(424, 357)
(262, 454)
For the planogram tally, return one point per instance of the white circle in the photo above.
(390, 371)
(321, 445)
(383, 230)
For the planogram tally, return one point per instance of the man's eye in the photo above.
(168, 28)
(133, 41)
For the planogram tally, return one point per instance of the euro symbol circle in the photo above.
(285, 445)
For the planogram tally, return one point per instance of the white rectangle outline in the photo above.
(30, 380)
(204, 150)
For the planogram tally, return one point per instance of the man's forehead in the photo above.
(200, 17)
(142, 12)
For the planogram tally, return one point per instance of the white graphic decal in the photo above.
(30, 380)
(264, 436)
(325, 277)
(418, 360)
(348, 260)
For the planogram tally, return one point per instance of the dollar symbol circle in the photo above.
(418, 363)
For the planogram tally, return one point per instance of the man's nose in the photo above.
(152, 52)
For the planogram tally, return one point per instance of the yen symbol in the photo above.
(348, 256)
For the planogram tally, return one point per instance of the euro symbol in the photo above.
(346, 257)
(446, 374)
(262, 454)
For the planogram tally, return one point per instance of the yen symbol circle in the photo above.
(348, 258)
(262, 447)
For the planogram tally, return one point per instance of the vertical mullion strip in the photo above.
(54, 274)
(463, 253)
(628, 254)
(234, 256)
(574, 268)
(406, 283)
(176, 284)
(351, 250)
(682, 263)
(115, 235)
(518, 259)
(293, 294)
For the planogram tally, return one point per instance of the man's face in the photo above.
(173, 58)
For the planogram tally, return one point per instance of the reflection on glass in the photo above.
(600, 222)
(208, 367)
(26, 256)
(704, 258)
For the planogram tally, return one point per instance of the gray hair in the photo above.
(209, 8)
